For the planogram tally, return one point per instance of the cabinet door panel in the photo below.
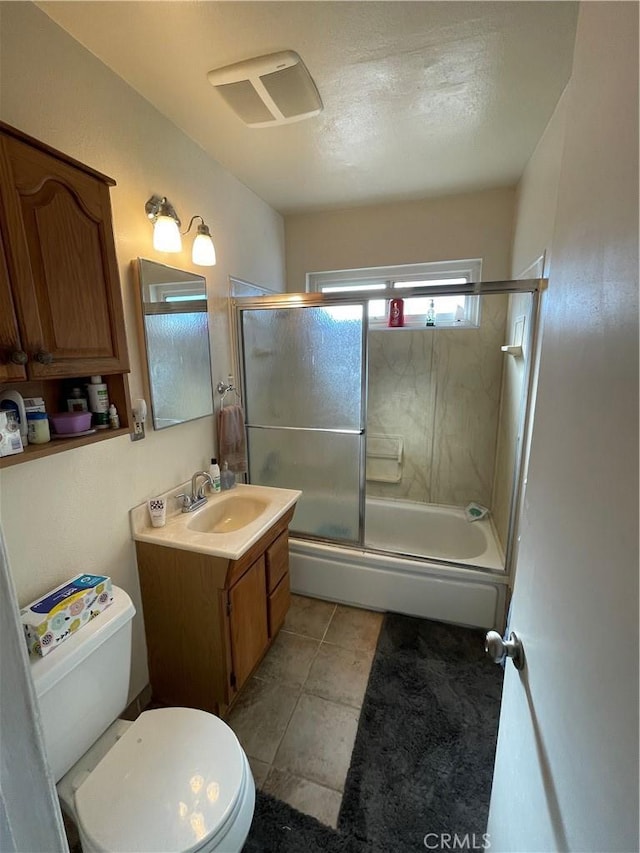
(248, 620)
(62, 264)
(9, 335)
(64, 246)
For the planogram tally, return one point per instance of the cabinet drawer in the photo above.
(277, 555)
(278, 604)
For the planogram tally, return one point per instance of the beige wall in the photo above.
(536, 200)
(537, 195)
(472, 225)
(68, 513)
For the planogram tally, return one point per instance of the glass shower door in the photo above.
(304, 398)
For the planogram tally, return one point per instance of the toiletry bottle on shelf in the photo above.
(76, 401)
(396, 313)
(38, 427)
(214, 470)
(227, 478)
(431, 314)
(114, 417)
(98, 402)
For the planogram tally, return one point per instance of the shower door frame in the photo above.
(314, 300)
(535, 286)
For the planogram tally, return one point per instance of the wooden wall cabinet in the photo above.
(61, 312)
(208, 620)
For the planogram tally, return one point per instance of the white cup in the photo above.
(158, 511)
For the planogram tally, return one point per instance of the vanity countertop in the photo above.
(181, 531)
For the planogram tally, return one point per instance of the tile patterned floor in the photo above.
(298, 716)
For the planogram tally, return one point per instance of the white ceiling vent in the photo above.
(268, 90)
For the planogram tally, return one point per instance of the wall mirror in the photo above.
(175, 329)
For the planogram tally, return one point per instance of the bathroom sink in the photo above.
(226, 526)
(227, 514)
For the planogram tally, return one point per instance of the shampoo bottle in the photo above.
(98, 402)
(214, 470)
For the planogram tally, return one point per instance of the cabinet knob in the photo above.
(19, 356)
(43, 357)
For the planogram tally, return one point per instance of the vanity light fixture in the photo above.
(167, 234)
(203, 253)
(166, 225)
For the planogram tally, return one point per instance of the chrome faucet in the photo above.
(197, 498)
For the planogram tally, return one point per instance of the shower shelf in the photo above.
(384, 458)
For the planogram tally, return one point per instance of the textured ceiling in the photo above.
(421, 98)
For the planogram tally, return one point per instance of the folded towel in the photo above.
(232, 441)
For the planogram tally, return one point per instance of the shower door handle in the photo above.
(499, 650)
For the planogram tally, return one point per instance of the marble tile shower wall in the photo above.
(440, 390)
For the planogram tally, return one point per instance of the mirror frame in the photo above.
(177, 308)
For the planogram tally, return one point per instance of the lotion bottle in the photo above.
(214, 470)
(98, 402)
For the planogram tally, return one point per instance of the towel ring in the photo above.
(223, 389)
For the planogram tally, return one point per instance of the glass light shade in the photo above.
(203, 253)
(166, 235)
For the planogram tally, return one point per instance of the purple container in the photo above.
(65, 423)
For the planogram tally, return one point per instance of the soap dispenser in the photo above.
(227, 478)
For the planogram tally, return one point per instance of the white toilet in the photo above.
(175, 780)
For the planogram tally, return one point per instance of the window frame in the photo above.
(399, 277)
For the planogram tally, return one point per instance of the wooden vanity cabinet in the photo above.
(209, 620)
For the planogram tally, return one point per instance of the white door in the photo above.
(566, 774)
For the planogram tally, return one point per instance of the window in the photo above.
(452, 310)
(191, 297)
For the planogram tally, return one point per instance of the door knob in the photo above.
(43, 357)
(499, 649)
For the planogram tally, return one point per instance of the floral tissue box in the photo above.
(50, 620)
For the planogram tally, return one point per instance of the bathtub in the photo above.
(428, 530)
(460, 577)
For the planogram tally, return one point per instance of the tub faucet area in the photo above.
(197, 498)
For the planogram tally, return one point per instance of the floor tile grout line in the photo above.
(307, 779)
(333, 613)
(335, 607)
(370, 651)
(286, 728)
(317, 652)
(333, 701)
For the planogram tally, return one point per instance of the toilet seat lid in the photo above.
(171, 782)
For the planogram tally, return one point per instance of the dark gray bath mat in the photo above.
(423, 757)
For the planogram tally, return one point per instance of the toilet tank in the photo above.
(83, 685)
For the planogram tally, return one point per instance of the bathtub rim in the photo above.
(459, 595)
(362, 549)
(326, 546)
